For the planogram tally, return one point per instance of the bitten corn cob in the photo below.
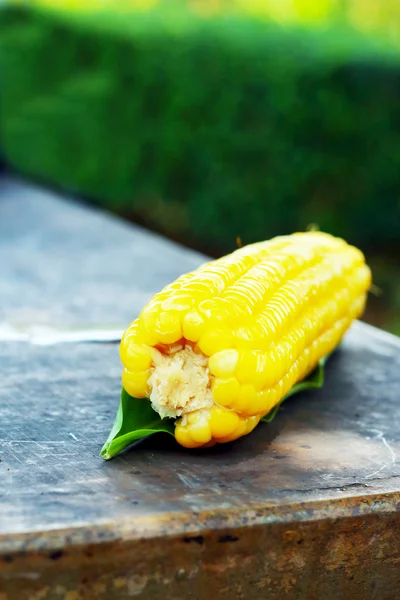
(221, 346)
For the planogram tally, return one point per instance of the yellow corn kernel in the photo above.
(247, 366)
(168, 327)
(183, 437)
(222, 422)
(198, 427)
(263, 403)
(147, 328)
(223, 364)
(235, 434)
(132, 330)
(251, 423)
(225, 391)
(135, 383)
(192, 431)
(226, 311)
(194, 325)
(199, 288)
(180, 302)
(136, 357)
(246, 398)
(261, 374)
(215, 340)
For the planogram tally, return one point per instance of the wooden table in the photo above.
(305, 508)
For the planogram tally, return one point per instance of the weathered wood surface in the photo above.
(304, 508)
(63, 265)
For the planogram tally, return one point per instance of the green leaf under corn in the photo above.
(137, 420)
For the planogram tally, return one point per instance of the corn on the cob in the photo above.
(221, 346)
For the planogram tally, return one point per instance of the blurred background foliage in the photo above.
(380, 17)
(210, 120)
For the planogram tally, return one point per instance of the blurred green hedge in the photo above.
(206, 129)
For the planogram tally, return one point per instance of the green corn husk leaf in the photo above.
(136, 419)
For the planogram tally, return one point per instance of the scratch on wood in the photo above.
(393, 456)
(187, 481)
